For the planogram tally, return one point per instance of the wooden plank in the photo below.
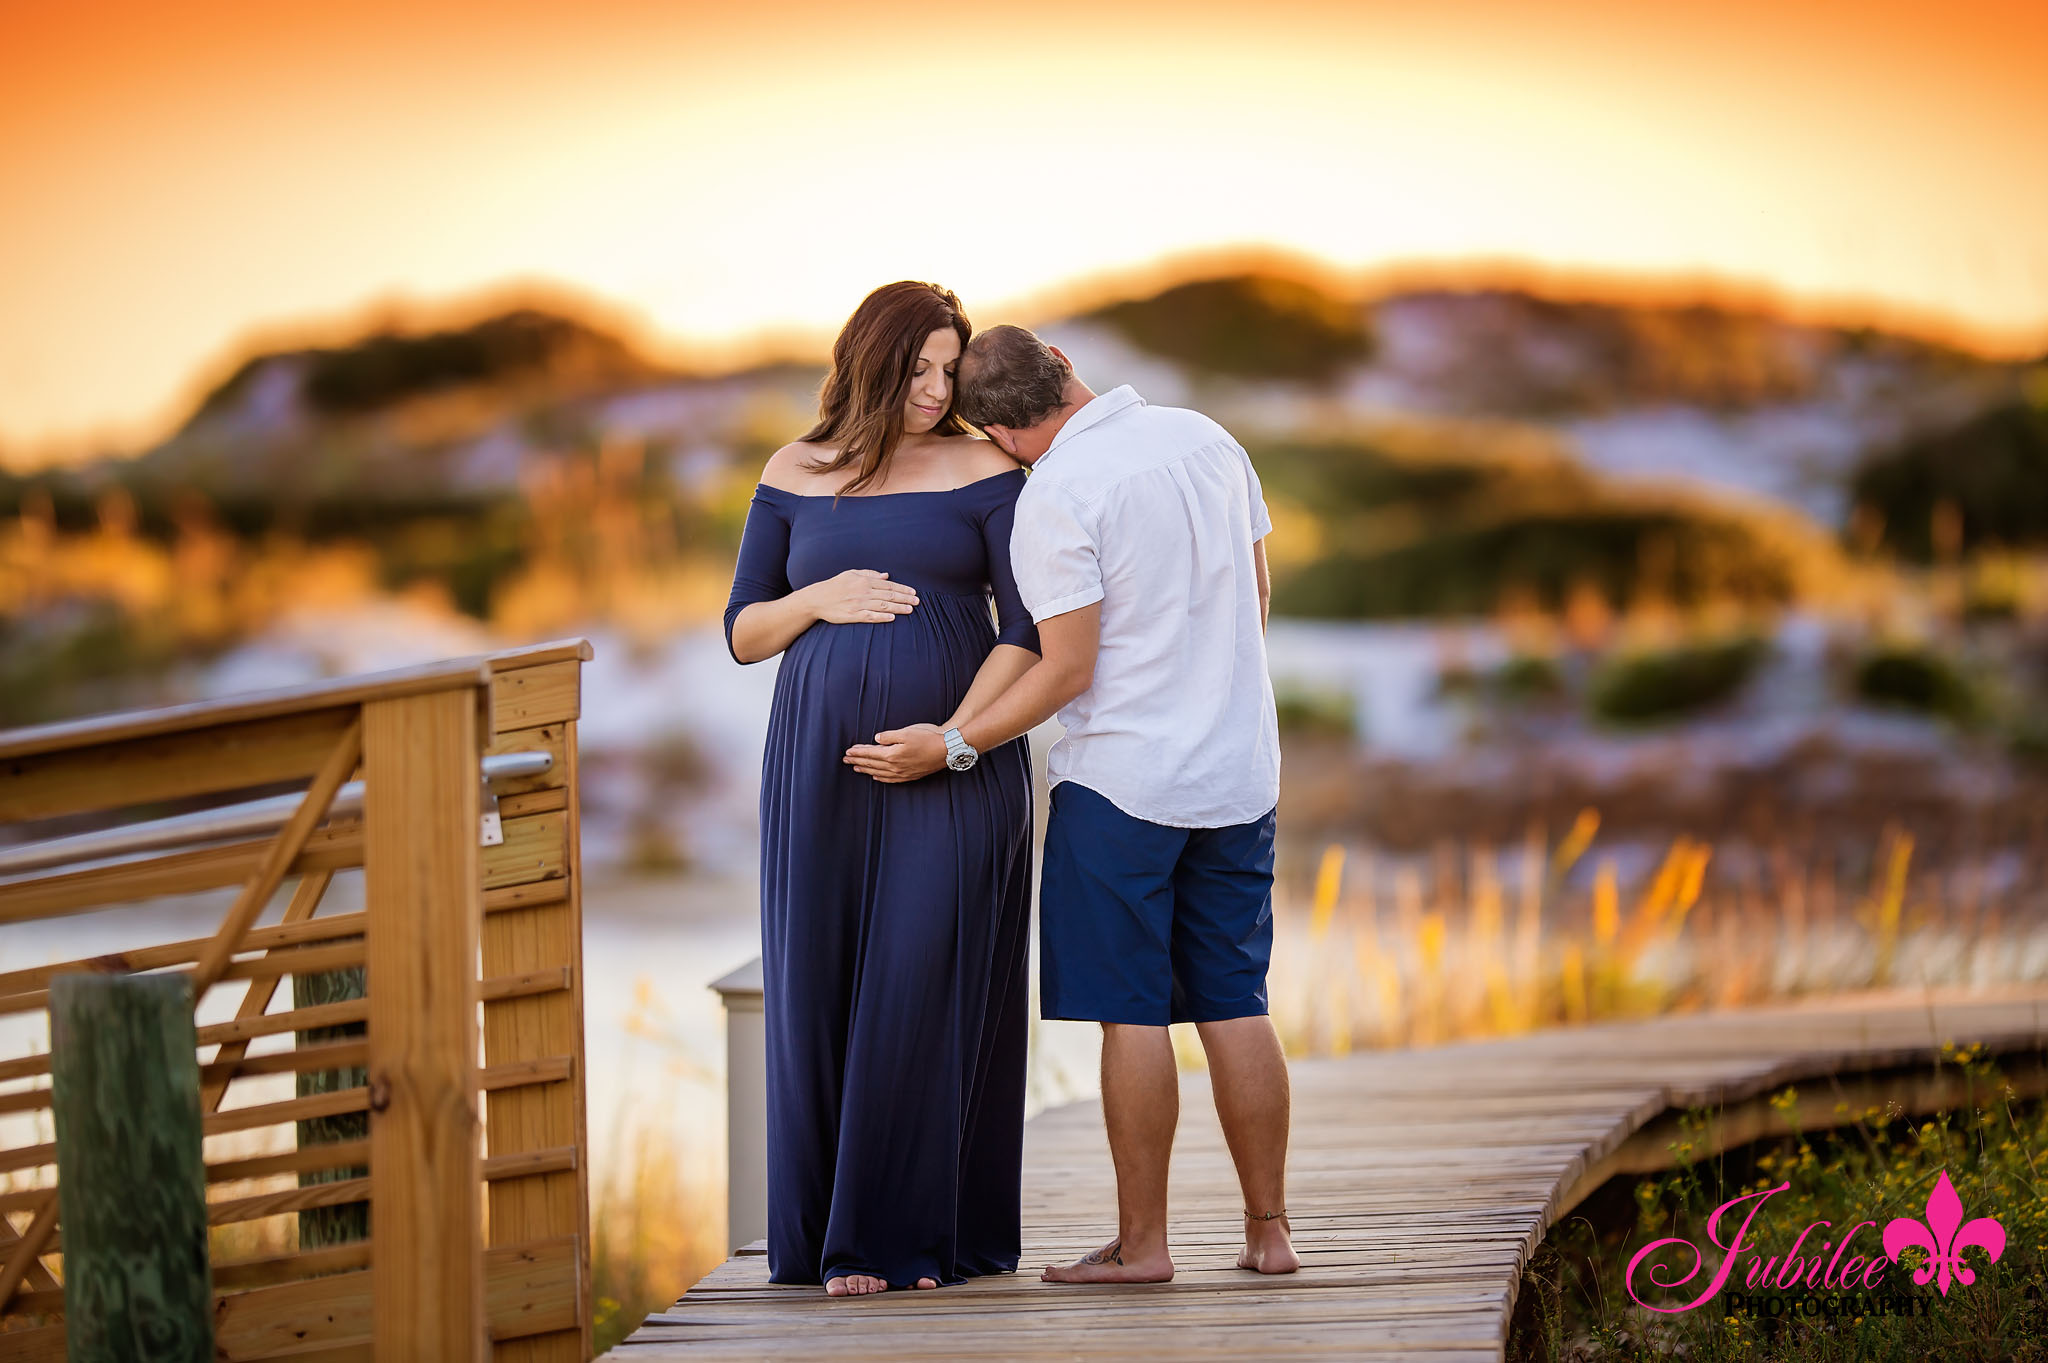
(535, 848)
(174, 766)
(534, 1118)
(284, 849)
(528, 1289)
(552, 1070)
(532, 802)
(548, 651)
(268, 966)
(256, 1001)
(138, 959)
(1420, 1184)
(528, 697)
(207, 868)
(269, 1269)
(336, 847)
(547, 738)
(468, 676)
(425, 899)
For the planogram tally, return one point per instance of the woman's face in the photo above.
(931, 382)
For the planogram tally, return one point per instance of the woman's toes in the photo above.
(926, 1283)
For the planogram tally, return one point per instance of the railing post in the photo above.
(131, 1181)
(423, 890)
(746, 1105)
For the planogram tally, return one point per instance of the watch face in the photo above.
(960, 761)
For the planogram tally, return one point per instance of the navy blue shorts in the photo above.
(1148, 924)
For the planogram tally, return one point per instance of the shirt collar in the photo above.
(1095, 411)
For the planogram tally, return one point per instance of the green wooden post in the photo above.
(131, 1181)
(351, 1221)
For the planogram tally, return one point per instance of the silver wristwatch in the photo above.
(960, 754)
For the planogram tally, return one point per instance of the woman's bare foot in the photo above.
(1111, 1265)
(925, 1284)
(1268, 1247)
(854, 1285)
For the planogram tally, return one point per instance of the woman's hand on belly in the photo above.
(862, 596)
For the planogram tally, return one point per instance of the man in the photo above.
(1139, 549)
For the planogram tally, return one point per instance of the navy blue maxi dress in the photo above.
(893, 916)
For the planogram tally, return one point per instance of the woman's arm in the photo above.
(1016, 637)
(764, 615)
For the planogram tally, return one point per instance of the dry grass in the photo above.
(1373, 952)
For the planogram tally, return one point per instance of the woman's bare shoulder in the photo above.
(974, 458)
(789, 467)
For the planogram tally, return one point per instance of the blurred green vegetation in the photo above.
(1868, 1166)
(1917, 677)
(1315, 713)
(77, 660)
(1988, 477)
(390, 367)
(1251, 326)
(1450, 533)
(1641, 686)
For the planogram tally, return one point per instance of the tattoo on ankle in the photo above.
(1111, 1253)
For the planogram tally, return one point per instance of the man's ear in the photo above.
(1003, 438)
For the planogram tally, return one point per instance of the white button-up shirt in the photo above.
(1153, 511)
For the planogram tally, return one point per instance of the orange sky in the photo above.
(181, 178)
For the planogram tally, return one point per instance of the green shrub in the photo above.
(1993, 469)
(1250, 326)
(1641, 687)
(1527, 677)
(1316, 713)
(1911, 677)
(1875, 1163)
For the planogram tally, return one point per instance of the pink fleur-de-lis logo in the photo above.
(1944, 1235)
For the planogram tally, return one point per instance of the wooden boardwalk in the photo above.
(1420, 1182)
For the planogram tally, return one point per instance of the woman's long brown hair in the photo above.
(860, 408)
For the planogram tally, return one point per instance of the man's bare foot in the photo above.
(854, 1285)
(1111, 1265)
(1268, 1247)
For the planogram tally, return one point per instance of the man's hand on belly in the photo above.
(900, 754)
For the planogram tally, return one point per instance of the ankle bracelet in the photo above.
(1267, 1216)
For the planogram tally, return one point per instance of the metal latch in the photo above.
(493, 826)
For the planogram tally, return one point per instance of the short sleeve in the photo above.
(762, 573)
(1255, 498)
(1013, 621)
(1053, 553)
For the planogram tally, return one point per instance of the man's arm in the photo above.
(1063, 671)
(1265, 582)
(1065, 667)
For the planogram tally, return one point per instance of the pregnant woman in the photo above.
(893, 915)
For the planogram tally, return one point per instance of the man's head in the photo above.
(1017, 389)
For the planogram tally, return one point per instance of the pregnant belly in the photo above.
(861, 678)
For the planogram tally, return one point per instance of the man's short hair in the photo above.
(1009, 378)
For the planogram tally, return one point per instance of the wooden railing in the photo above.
(470, 1025)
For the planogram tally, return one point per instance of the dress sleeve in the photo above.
(1013, 621)
(762, 573)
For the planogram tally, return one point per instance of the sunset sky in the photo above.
(181, 181)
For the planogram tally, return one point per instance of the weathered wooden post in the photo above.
(131, 1183)
(350, 1221)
